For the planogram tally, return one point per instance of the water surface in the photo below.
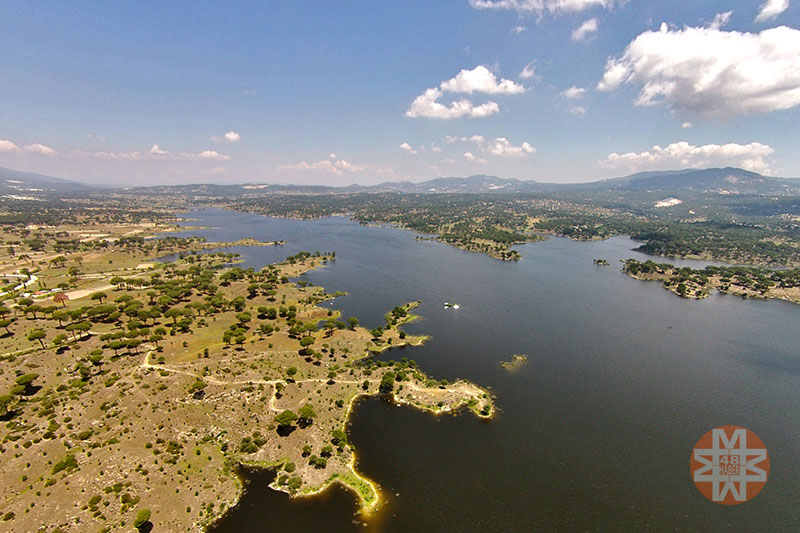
(595, 431)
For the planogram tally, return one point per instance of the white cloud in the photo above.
(331, 166)
(230, 137)
(540, 7)
(41, 149)
(408, 148)
(426, 105)
(155, 153)
(684, 155)
(577, 110)
(8, 146)
(771, 9)
(480, 79)
(469, 156)
(502, 147)
(212, 154)
(529, 72)
(499, 146)
(435, 149)
(518, 29)
(709, 72)
(573, 93)
(584, 30)
(720, 20)
(687, 124)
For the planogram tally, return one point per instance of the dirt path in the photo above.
(82, 293)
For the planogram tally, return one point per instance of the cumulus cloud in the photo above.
(330, 166)
(426, 105)
(577, 110)
(469, 156)
(502, 147)
(518, 29)
(480, 79)
(684, 155)
(573, 93)
(771, 9)
(230, 137)
(687, 124)
(499, 146)
(8, 146)
(542, 7)
(709, 72)
(584, 30)
(408, 148)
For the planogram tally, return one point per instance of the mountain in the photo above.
(16, 184)
(723, 181)
(711, 180)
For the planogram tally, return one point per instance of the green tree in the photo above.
(353, 322)
(142, 517)
(306, 415)
(37, 335)
(285, 418)
(4, 323)
(387, 383)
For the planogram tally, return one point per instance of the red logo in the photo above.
(730, 465)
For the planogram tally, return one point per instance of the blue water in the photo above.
(595, 431)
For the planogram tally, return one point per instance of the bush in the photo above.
(142, 517)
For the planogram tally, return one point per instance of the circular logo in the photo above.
(730, 465)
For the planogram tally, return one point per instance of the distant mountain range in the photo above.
(14, 183)
(724, 181)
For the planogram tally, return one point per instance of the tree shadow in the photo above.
(285, 431)
(147, 527)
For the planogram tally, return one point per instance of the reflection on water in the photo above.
(595, 431)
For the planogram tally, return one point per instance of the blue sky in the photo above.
(336, 93)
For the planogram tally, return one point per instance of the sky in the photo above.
(335, 93)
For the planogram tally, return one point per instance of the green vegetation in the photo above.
(748, 282)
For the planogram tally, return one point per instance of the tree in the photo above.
(25, 383)
(4, 323)
(61, 298)
(6, 401)
(306, 415)
(387, 383)
(338, 437)
(353, 322)
(285, 418)
(305, 342)
(37, 335)
(142, 517)
(59, 339)
(99, 296)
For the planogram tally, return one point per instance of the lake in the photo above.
(595, 431)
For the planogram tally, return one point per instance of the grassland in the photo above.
(142, 385)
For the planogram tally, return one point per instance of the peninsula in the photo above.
(131, 389)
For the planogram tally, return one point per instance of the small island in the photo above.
(515, 363)
(747, 282)
(600, 262)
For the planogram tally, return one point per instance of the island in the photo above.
(747, 282)
(515, 363)
(132, 389)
